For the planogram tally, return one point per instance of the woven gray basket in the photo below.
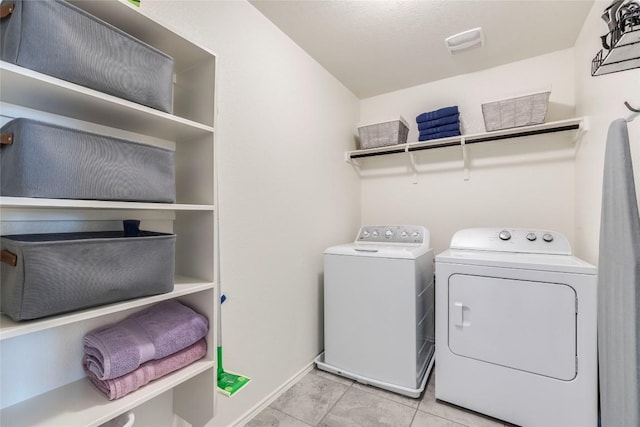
(515, 112)
(46, 274)
(383, 134)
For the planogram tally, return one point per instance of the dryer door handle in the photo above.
(458, 314)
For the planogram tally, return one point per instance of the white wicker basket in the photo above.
(515, 112)
(383, 134)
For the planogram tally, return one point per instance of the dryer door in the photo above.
(519, 324)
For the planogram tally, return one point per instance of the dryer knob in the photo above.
(504, 235)
(415, 234)
(531, 237)
(547, 237)
(375, 233)
(388, 234)
(405, 234)
(365, 233)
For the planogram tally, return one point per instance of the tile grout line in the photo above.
(335, 403)
(289, 415)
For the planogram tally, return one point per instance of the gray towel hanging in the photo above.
(619, 286)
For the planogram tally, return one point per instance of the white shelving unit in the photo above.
(40, 360)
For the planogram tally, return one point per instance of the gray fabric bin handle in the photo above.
(6, 139)
(9, 258)
(6, 9)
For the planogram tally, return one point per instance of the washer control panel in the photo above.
(511, 240)
(393, 234)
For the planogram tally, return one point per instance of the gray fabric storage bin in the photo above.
(55, 162)
(58, 39)
(57, 273)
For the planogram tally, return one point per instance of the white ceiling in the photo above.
(375, 47)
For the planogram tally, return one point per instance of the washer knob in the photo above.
(388, 234)
(504, 235)
(404, 234)
(375, 233)
(415, 234)
(547, 237)
(365, 233)
(531, 237)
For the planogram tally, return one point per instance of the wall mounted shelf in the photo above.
(623, 55)
(544, 128)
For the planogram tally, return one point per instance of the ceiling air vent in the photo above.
(465, 40)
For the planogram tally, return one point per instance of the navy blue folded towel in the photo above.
(433, 115)
(446, 120)
(438, 129)
(439, 135)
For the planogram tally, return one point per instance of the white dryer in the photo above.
(379, 316)
(516, 328)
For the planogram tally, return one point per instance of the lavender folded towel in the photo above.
(150, 334)
(436, 114)
(150, 371)
(438, 129)
(439, 135)
(454, 118)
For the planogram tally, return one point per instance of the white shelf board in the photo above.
(79, 404)
(183, 286)
(542, 128)
(28, 202)
(21, 86)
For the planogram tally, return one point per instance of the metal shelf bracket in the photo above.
(465, 158)
(412, 163)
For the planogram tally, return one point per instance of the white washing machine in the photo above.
(379, 308)
(516, 328)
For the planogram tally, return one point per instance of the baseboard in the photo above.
(251, 413)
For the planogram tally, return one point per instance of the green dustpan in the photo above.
(229, 383)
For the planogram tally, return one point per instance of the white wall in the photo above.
(285, 192)
(601, 100)
(527, 182)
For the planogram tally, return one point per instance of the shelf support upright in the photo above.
(582, 130)
(465, 159)
(412, 163)
(353, 162)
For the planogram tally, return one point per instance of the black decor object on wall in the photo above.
(621, 45)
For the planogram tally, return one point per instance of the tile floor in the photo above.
(326, 400)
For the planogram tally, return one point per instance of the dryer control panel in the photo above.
(393, 234)
(521, 240)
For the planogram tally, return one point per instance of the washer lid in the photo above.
(379, 250)
(526, 261)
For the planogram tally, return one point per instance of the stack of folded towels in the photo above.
(440, 123)
(143, 347)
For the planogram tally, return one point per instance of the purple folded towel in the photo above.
(150, 371)
(454, 118)
(150, 334)
(436, 114)
(438, 129)
(439, 135)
